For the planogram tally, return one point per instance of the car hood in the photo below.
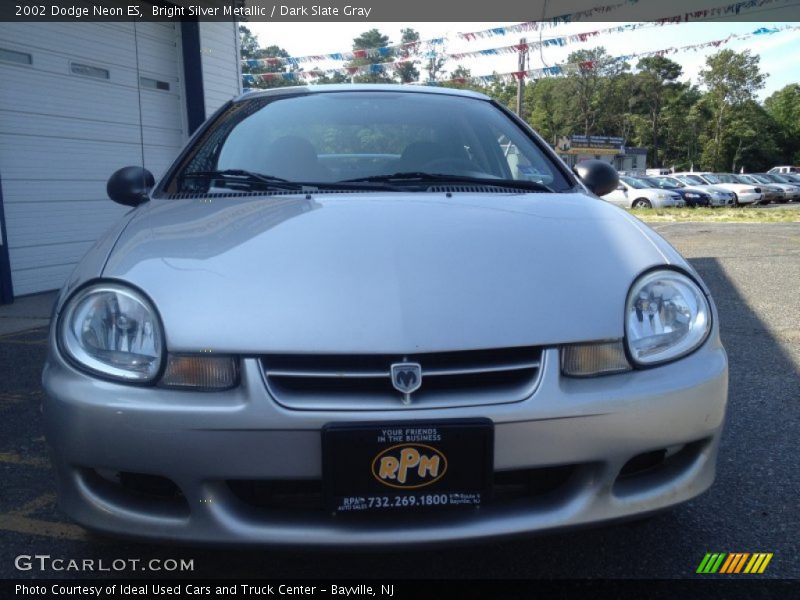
(386, 273)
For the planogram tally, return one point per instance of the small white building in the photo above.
(80, 100)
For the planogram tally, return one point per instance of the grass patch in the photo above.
(716, 215)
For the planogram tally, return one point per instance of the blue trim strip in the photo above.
(6, 287)
(193, 74)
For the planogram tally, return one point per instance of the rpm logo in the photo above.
(409, 466)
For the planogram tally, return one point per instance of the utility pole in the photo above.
(523, 56)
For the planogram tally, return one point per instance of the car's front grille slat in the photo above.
(327, 374)
(363, 382)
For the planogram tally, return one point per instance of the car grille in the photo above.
(363, 382)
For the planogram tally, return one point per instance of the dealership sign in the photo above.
(591, 144)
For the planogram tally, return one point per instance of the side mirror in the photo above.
(130, 186)
(599, 176)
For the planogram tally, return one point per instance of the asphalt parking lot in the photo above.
(754, 274)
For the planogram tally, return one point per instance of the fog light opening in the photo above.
(642, 463)
(149, 485)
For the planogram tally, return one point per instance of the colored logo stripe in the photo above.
(758, 563)
(733, 563)
(711, 562)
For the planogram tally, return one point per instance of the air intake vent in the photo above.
(477, 189)
(261, 193)
(363, 382)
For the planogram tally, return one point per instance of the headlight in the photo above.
(112, 330)
(666, 316)
(692, 195)
(662, 196)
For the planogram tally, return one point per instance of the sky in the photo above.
(779, 51)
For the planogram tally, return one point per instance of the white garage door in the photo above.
(70, 116)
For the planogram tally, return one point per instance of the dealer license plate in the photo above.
(407, 465)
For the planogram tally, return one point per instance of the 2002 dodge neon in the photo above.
(377, 315)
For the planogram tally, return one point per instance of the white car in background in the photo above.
(784, 170)
(634, 193)
(743, 193)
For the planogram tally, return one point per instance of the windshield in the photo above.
(725, 177)
(637, 184)
(691, 179)
(778, 178)
(748, 179)
(712, 178)
(339, 136)
(666, 184)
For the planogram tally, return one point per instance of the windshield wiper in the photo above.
(243, 176)
(419, 177)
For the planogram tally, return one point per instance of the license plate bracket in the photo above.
(410, 465)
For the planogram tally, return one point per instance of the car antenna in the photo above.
(139, 93)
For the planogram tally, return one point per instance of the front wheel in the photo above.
(736, 200)
(642, 203)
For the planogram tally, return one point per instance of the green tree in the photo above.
(657, 76)
(248, 42)
(592, 71)
(732, 79)
(465, 75)
(750, 140)
(682, 118)
(784, 107)
(548, 108)
(367, 41)
(250, 49)
(407, 71)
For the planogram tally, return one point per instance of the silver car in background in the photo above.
(719, 196)
(788, 183)
(635, 193)
(743, 193)
(346, 317)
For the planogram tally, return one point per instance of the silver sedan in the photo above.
(371, 316)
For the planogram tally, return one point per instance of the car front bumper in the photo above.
(202, 441)
(750, 197)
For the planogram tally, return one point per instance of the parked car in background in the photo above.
(789, 184)
(288, 341)
(784, 169)
(691, 196)
(719, 196)
(743, 193)
(790, 177)
(633, 192)
(771, 192)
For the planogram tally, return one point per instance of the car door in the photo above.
(619, 196)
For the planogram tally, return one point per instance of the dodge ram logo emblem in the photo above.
(406, 377)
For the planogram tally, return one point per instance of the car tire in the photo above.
(641, 203)
(736, 201)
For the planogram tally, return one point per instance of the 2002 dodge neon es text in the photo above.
(376, 315)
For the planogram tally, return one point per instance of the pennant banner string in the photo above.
(428, 48)
(565, 69)
(698, 15)
(552, 71)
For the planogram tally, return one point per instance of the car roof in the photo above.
(360, 87)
